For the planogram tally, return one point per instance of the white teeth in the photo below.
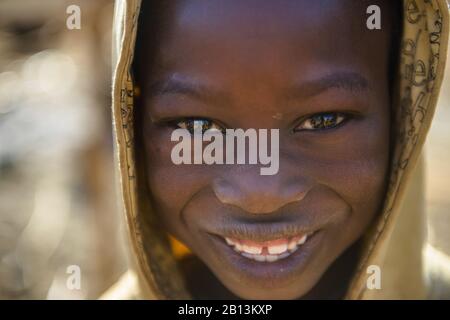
(229, 241)
(302, 240)
(275, 252)
(284, 255)
(268, 257)
(247, 255)
(251, 250)
(292, 245)
(278, 248)
(271, 258)
(259, 258)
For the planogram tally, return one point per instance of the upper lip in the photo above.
(263, 232)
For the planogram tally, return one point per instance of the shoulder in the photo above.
(125, 288)
(437, 273)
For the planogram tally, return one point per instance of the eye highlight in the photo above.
(192, 124)
(322, 121)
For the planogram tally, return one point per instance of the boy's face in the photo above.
(308, 68)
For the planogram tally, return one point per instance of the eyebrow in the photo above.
(352, 82)
(188, 87)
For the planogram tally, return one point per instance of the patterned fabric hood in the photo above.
(388, 243)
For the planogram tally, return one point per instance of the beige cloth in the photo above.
(394, 242)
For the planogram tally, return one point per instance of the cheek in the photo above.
(368, 174)
(171, 186)
(359, 168)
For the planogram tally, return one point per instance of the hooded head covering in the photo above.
(395, 239)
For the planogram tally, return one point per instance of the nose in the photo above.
(254, 193)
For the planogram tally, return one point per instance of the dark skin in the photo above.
(263, 65)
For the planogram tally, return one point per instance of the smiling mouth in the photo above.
(268, 251)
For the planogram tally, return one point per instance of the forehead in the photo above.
(252, 17)
(278, 34)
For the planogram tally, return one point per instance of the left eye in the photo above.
(322, 121)
(198, 124)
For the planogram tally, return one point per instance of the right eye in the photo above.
(192, 124)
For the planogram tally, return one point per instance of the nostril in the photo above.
(298, 196)
(256, 201)
(258, 198)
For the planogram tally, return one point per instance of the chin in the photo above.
(261, 292)
(290, 275)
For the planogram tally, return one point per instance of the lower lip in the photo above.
(272, 272)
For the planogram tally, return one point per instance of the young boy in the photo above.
(349, 127)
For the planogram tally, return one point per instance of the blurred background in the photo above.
(57, 201)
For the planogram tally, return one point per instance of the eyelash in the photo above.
(324, 121)
(321, 121)
(189, 124)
